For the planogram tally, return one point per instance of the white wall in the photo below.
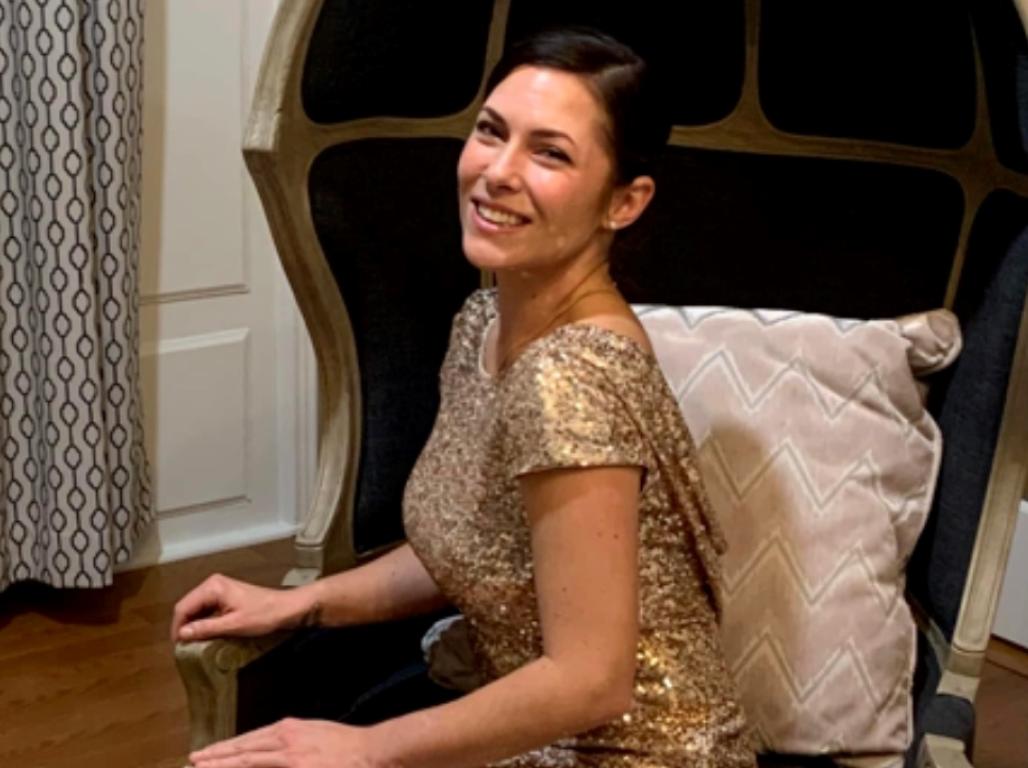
(1012, 612)
(226, 366)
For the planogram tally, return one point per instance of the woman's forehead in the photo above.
(541, 98)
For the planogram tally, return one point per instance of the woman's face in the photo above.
(535, 176)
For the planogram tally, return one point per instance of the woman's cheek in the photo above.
(466, 163)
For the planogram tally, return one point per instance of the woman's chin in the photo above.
(486, 255)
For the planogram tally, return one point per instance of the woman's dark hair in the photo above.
(618, 76)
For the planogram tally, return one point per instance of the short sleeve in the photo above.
(567, 407)
(466, 329)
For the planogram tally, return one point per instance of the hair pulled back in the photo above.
(620, 79)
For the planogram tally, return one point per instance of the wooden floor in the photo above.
(1001, 740)
(87, 679)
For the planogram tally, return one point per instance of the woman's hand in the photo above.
(223, 607)
(291, 743)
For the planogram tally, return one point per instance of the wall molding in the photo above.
(149, 550)
(195, 341)
(212, 292)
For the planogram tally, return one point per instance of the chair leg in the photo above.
(942, 752)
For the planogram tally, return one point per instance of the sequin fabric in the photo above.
(579, 396)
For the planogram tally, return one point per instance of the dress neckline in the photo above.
(583, 327)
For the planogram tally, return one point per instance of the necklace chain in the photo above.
(563, 307)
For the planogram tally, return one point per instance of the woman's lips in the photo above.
(492, 219)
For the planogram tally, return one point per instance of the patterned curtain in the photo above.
(74, 486)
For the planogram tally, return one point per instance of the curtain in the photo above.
(74, 485)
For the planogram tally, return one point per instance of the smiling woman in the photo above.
(557, 502)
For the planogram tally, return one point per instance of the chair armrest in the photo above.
(210, 674)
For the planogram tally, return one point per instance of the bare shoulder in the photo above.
(623, 323)
(613, 313)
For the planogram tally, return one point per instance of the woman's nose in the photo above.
(503, 171)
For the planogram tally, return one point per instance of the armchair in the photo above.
(870, 166)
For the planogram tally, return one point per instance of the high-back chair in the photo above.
(866, 161)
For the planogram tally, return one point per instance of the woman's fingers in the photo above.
(206, 598)
(205, 629)
(247, 760)
(261, 740)
(222, 606)
(262, 748)
(187, 608)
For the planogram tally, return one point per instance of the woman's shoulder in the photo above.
(597, 346)
(583, 357)
(625, 325)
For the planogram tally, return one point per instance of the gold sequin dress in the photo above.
(579, 396)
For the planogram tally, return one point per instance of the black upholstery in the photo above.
(386, 216)
(901, 72)
(403, 58)
(1001, 40)
(967, 400)
(699, 46)
(846, 238)
(933, 713)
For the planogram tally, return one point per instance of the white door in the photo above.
(226, 367)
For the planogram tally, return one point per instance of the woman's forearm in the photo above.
(533, 706)
(392, 586)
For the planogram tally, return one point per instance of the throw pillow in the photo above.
(821, 460)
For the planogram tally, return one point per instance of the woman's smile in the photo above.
(490, 217)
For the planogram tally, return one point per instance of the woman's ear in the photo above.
(629, 201)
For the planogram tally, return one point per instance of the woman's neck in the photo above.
(532, 303)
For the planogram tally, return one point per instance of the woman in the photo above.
(556, 502)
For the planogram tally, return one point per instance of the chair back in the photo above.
(866, 161)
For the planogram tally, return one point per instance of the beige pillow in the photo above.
(820, 459)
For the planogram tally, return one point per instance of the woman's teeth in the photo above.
(496, 216)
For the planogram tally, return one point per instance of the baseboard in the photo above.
(155, 548)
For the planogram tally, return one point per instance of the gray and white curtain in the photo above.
(74, 488)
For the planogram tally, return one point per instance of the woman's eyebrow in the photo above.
(549, 133)
(494, 115)
(543, 133)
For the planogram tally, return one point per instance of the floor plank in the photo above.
(87, 679)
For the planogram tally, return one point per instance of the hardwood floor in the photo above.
(1001, 739)
(87, 678)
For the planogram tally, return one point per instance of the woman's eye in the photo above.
(486, 128)
(552, 153)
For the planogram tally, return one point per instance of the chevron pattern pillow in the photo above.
(820, 458)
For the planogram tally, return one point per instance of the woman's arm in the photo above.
(390, 587)
(585, 553)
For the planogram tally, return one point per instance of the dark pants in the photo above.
(357, 675)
